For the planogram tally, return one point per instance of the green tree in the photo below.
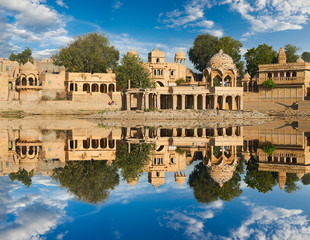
(231, 47)
(261, 180)
(269, 149)
(306, 179)
(291, 183)
(206, 45)
(263, 54)
(291, 53)
(206, 190)
(23, 176)
(91, 53)
(132, 68)
(132, 162)
(22, 57)
(269, 84)
(90, 181)
(306, 56)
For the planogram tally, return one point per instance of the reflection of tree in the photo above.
(132, 162)
(306, 179)
(22, 176)
(206, 190)
(261, 180)
(290, 184)
(89, 181)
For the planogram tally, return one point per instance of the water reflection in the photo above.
(89, 162)
(104, 165)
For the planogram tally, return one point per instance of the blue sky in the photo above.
(47, 25)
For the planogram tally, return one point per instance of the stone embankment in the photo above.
(187, 118)
(180, 115)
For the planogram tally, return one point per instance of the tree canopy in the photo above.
(206, 45)
(261, 180)
(263, 54)
(132, 163)
(132, 68)
(89, 181)
(23, 176)
(306, 56)
(22, 57)
(91, 53)
(291, 53)
(206, 190)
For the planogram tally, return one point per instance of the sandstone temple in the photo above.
(42, 85)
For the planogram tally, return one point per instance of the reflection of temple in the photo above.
(177, 148)
(291, 154)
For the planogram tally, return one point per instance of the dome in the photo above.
(180, 54)
(222, 172)
(300, 60)
(247, 76)
(133, 52)
(28, 66)
(221, 60)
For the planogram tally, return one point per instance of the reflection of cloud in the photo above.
(35, 210)
(273, 223)
(191, 221)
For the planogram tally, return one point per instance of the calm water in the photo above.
(99, 182)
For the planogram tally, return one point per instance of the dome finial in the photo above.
(221, 51)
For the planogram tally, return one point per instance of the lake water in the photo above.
(88, 180)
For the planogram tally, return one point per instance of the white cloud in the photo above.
(61, 3)
(191, 17)
(273, 223)
(271, 15)
(118, 5)
(30, 21)
(36, 211)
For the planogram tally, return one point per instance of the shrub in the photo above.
(179, 81)
(269, 149)
(269, 84)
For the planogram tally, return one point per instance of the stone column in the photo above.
(128, 103)
(142, 101)
(146, 99)
(241, 103)
(158, 101)
(224, 102)
(233, 102)
(204, 101)
(215, 102)
(174, 102)
(183, 101)
(195, 101)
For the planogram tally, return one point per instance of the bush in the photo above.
(269, 84)
(179, 81)
(269, 149)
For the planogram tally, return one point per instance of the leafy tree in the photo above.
(22, 57)
(263, 54)
(132, 68)
(203, 49)
(306, 56)
(290, 184)
(306, 179)
(88, 53)
(261, 180)
(206, 45)
(179, 81)
(231, 47)
(291, 53)
(89, 181)
(206, 190)
(23, 176)
(269, 149)
(269, 84)
(132, 163)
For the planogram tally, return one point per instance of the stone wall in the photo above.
(62, 107)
